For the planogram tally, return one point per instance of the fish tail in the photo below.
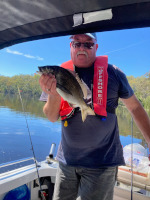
(86, 111)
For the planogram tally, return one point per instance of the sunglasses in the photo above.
(86, 45)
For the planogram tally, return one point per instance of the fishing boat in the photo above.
(22, 21)
(36, 181)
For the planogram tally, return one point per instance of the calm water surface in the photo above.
(14, 136)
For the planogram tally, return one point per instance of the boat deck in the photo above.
(123, 194)
(27, 174)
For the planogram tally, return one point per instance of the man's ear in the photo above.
(96, 46)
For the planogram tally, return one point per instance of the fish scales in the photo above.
(69, 87)
(65, 79)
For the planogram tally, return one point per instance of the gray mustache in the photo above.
(82, 52)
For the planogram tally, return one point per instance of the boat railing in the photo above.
(15, 162)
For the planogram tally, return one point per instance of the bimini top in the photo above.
(26, 20)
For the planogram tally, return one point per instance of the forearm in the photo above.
(52, 107)
(139, 115)
(143, 122)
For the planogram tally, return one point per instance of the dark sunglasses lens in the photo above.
(78, 44)
(88, 45)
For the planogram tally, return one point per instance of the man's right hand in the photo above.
(48, 84)
(52, 106)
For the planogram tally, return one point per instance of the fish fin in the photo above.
(82, 85)
(86, 111)
(63, 89)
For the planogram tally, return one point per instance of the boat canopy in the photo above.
(28, 20)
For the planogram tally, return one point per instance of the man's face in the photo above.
(82, 56)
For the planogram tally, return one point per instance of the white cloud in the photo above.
(39, 58)
(25, 55)
(29, 56)
(13, 52)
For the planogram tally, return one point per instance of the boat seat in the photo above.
(20, 193)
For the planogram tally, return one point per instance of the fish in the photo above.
(70, 87)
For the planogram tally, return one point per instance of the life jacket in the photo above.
(99, 88)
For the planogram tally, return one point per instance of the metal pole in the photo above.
(36, 165)
(131, 158)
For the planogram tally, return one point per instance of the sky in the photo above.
(127, 49)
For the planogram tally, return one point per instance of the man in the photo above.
(90, 151)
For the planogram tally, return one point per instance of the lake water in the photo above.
(14, 135)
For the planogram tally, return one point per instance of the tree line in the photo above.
(29, 85)
(141, 87)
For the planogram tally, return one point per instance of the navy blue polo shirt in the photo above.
(95, 143)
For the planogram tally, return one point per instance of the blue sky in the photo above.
(127, 49)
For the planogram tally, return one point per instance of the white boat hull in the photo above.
(28, 175)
